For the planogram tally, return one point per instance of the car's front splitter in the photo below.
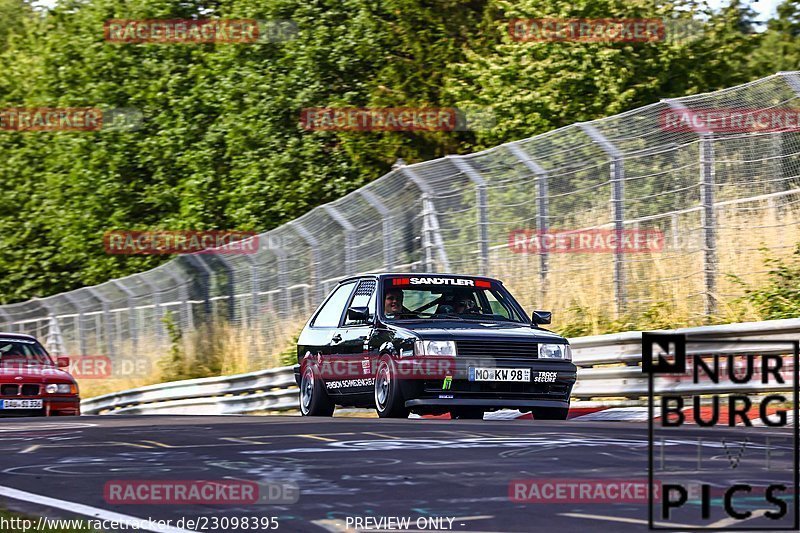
(482, 402)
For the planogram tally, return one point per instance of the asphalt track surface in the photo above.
(355, 467)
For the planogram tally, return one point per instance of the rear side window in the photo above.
(364, 297)
(331, 312)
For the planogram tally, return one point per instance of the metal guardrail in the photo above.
(608, 368)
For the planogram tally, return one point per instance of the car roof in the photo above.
(385, 275)
(18, 335)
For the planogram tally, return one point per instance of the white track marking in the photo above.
(93, 513)
(626, 520)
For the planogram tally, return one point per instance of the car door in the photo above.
(354, 348)
(326, 335)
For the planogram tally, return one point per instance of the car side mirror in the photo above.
(62, 362)
(358, 314)
(541, 317)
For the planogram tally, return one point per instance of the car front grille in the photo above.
(497, 389)
(27, 389)
(30, 390)
(517, 350)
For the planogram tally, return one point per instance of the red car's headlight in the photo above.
(61, 388)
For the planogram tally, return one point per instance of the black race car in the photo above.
(429, 344)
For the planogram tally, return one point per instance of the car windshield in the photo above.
(428, 298)
(20, 352)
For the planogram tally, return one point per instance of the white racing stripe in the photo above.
(93, 512)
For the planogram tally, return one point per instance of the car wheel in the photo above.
(550, 413)
(314, 400)
(388, 399)
(467, 413)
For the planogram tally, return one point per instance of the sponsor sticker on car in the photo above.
(477, 373)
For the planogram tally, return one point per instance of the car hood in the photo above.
(475, 330)
(34, 374)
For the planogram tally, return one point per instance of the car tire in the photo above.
(314, 399)
(389, 401)
(550, 413)
(467, 413)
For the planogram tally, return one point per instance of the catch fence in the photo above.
(719, 198)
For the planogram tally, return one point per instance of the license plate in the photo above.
(499, 374)
(21, 404)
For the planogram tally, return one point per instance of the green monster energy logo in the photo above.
(448, 380)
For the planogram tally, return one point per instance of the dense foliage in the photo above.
(221, 145)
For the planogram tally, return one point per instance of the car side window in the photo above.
(364, 297)
(331, 312)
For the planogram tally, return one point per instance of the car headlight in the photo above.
(61, 388)
(555, 351)
(440, 348)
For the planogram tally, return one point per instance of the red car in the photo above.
(30, 383)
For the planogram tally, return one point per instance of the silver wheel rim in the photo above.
(382, 384)
(306, 390)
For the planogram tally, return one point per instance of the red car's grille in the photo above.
(27, 389)
(30, 390)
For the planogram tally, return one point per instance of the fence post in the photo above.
(285, 309)
(313, 243)
(541, 208)
(205, 273)
(81, 340)
(349, 238)
(709, 222)
(617, 208)
(106, 320)
(8, 318)
(386, 227)
(432, 237)
(132, 318)
(707, 215)
(183, 292)
(230, 285)
(483, 209)
(156, 309)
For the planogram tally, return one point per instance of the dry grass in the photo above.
(212, 350)
(666, 288)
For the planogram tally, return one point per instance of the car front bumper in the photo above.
(489, 404)
(51, 406)
(456, 389)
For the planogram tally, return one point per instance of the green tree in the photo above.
(536, 87)
(780, 46)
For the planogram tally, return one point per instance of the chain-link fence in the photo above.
(718, 197)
